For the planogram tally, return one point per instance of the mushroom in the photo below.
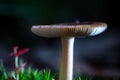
(68, 32)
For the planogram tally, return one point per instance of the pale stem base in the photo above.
(16, 66)
(66, 67)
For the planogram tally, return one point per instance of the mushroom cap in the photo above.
(81, 29)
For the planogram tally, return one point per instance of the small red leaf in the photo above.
(22, 51)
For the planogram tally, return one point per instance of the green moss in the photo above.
(30, 73)
(26, 74)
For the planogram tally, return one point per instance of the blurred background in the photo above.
(98, 55)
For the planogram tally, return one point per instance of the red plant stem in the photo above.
(20, 67)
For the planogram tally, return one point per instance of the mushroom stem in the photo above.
(66, 67)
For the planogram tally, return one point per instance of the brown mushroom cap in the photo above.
(70, 29)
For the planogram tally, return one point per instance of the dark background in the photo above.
(97, 55)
